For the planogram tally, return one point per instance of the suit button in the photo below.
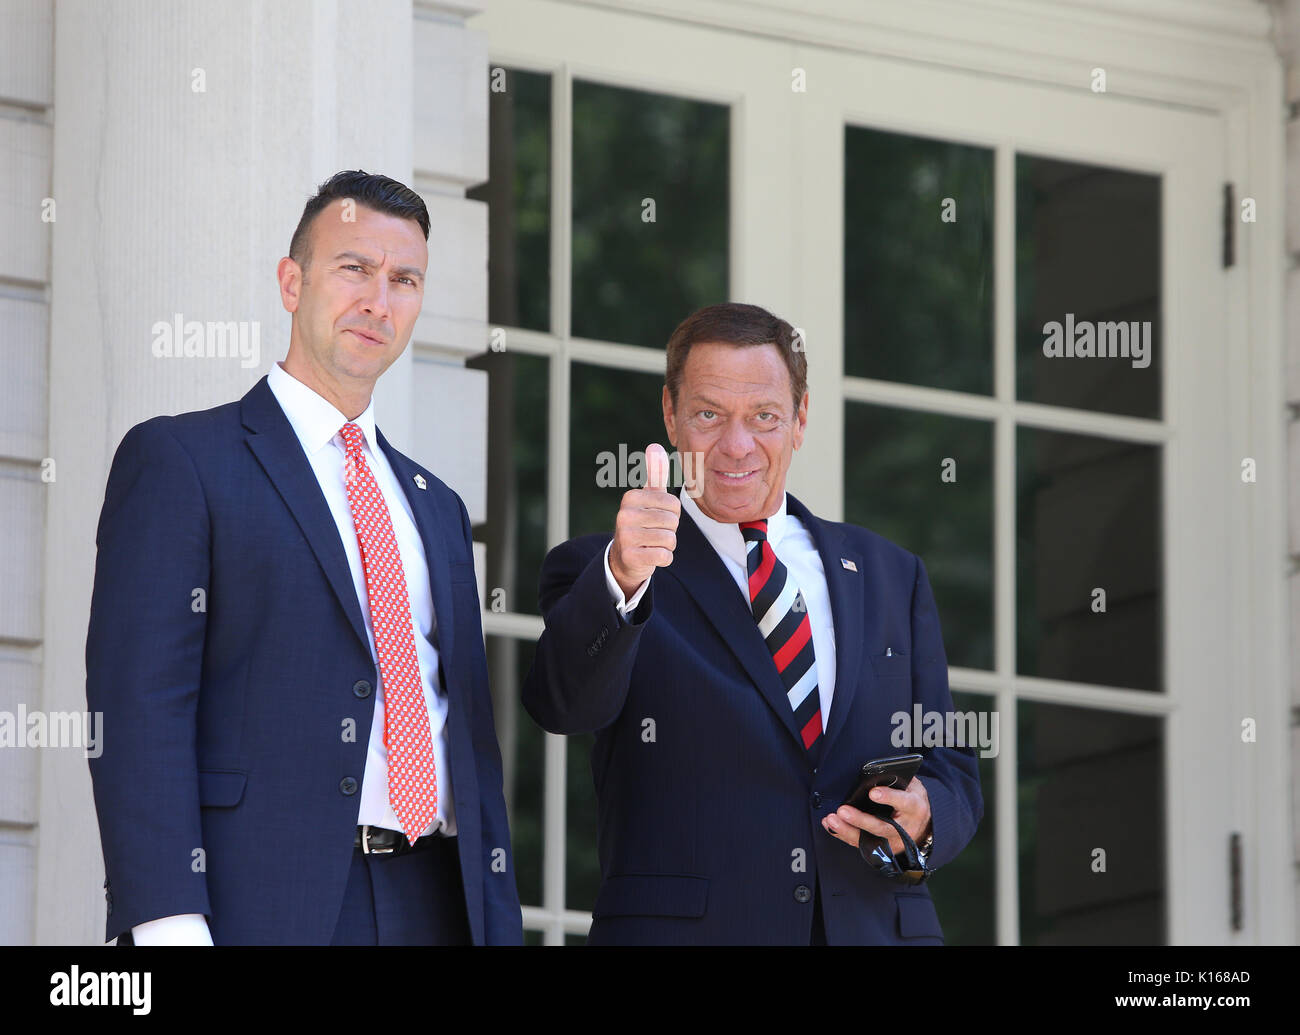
(803, 894)
(108, 897)
(817, 800)
(361, 688)
(348, 785)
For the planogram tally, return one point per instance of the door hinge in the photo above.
(1234, 880)
(1229, 227)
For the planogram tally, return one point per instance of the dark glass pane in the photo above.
(965, 891)
(581, 865)
(634, 279)
(1088, 518)
(1090, 780)
(1088, 273)
(522, 761)
(615, 414)
(534, 937)
(518, 194)
(918, 272)
(515, 530)
(575, 939)
(894, 465)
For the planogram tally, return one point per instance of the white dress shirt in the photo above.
(794, 546)
(316, 422)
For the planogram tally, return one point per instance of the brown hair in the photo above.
(740, 324)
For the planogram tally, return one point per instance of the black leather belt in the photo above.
(382, 841)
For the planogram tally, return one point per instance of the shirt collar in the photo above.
(315, 419)
(726, 538)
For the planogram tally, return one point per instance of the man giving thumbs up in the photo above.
(739, 660)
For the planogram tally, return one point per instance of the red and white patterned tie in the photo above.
(412, 777)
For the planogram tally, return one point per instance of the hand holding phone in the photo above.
(895, 773)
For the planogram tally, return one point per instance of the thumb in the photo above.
(656, 465)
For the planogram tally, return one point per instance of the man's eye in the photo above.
(407, 280)
(765, 415)
(707, 414)
(354, 266)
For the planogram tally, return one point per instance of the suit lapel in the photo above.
(278, 450)
(697, 566)
(846, 591)
(435, 544)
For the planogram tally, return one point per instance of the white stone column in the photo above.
(187, 137)
(26, 35)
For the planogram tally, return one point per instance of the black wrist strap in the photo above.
(906, 867)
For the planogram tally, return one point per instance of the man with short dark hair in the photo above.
(285, 641)
(739, 660)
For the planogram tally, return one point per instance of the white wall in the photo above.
(177, 201)
(25, 150)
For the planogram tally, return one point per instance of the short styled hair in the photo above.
(380, 193)
(741, 324)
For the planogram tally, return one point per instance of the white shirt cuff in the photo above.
(184, 929)
(623, 606)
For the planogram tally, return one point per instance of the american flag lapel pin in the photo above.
(419, 480)
(848, 564)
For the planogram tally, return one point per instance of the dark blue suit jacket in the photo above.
(226, 785)
(709, 823)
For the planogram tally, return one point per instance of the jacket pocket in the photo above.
(652, 894)
(221, 787)
(917, 917)
(887, 665)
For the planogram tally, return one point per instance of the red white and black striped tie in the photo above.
(782, 618)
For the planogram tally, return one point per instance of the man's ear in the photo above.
(670, 419)
(289, 274)
(801, 420)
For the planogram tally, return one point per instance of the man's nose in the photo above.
(374, 299)
(736, 440)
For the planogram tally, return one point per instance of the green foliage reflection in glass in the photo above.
(965, 891)
(611, 408)
(893, 468)
(518, 194)
(634, 280)
(918, 290)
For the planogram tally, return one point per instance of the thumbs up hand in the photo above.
(645, 530)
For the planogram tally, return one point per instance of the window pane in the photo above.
(615, 414)
(1090, 780)
(581, 863)
(522, 760)
(895, 466)
(965, 891)
(515, 530)
(518, 194)
(918, 260)
(1088, 519)
(650, 212)
(1088, 274)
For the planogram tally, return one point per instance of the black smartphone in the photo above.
(895, 773)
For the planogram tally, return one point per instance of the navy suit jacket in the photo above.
(226, 785)
(709, 825)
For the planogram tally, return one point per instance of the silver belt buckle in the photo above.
(365, 843)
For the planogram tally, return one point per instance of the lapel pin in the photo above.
(848, 564)
(419, 480)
